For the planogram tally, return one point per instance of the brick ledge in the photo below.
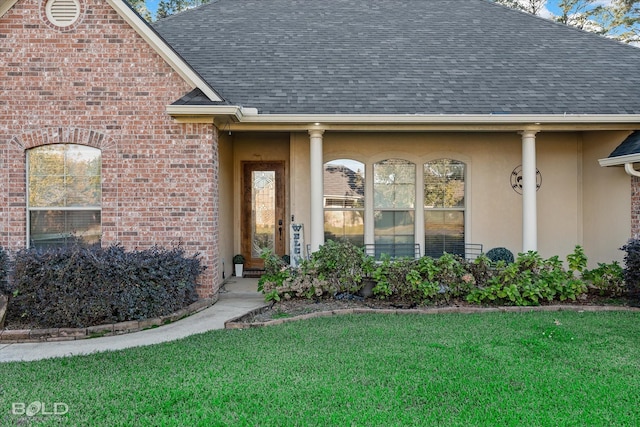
(12, 336)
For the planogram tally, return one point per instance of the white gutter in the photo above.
(236, 113)
(159, 45)
(627, 161)
(442, 118)
(620, 160)
(630, 170)
(251, 116)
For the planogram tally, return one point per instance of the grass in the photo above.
(548, 369)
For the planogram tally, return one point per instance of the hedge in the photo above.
(80, 286)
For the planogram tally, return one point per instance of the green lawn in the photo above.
(554, 369)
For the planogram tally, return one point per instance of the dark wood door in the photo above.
(263, 212)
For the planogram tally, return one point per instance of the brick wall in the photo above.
(100, 84)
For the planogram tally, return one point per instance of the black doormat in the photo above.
(253, 272)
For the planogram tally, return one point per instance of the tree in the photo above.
(534, 7)
(170, 7)
(140, 6)
(578, 13)
(618, 19)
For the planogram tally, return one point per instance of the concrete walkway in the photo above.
(237, 297)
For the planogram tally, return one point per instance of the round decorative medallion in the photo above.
(62, 13)
(516, 179)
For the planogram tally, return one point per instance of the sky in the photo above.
(551, 9)
(152, 5)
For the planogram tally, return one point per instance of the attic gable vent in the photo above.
(63, 13)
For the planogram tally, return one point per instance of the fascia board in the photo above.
(445, 119)
(233, 111)
(5, 5)
(169, 55)
(250, 116)
(620, 160)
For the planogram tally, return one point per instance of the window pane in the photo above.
(394, 223)
(344, 184)
(394, 184)
(59, 228)
(64, 175)
(444, 232)
(82, 161)
(263, 207)
(444, 184)
(47, 191)
(344, 225)
(83, 191)
(46, 160)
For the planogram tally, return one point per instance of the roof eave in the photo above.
(620, 160)
(240, 118)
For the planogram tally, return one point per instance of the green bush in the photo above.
(79, 287)
(342, 264)
(500, 254)
(280, 280)
(632, 266)
(397, 279)
(606, 279)
(4, 271)
(529, 280)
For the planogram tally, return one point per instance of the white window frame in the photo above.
(30, 209)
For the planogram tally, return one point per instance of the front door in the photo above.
(263, 213)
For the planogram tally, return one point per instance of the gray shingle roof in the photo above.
(631, 145)
(401, 57)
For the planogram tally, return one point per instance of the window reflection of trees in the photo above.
(394, 201)
(344, 200)
(444, 202)
(64, 184)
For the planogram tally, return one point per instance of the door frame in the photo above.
(281, 246)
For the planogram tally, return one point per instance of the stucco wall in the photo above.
(570, 200)
(98, 83)
(606, 199)
(257, 147)
(226, 203)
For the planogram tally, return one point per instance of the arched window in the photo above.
(344, 201)
(64, 195)
(444, 207)
(394, 206)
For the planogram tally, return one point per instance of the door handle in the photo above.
(280, 228)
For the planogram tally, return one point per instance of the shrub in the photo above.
(606, 279)
(453, 278)
(342, 264)
(632, 265)
(529, 280)
(398, 279)
(481, 270)
(4, 271)
(79, 287)
(500, 254)
(577, 260)
(280, 280)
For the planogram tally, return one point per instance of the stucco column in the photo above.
(529, 202)
(316, 229)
